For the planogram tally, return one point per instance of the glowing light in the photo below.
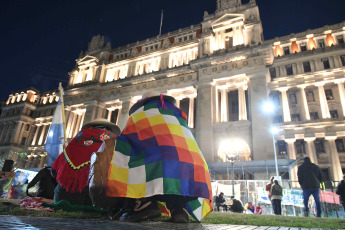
(268, 107)
(274, 130)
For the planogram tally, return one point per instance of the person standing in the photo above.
(276, 197)
(310, 178)
(341, 191)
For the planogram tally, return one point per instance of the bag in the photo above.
(99, 166)
(268, 189)
(46, 186)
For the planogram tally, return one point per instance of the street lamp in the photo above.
(270, 108)
(229, 151)
(275, 130)
(231, 158)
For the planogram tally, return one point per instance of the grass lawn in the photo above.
(213, 218)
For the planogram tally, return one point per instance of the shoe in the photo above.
(143, 210)
(179, 216)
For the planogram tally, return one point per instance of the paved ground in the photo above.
(25, 222)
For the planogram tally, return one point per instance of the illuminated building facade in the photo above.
(221, 72)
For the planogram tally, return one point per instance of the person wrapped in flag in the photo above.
(156, 158)
(71, 168)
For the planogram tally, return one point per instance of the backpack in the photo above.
(46, 186)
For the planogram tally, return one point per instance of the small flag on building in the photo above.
(55, 138)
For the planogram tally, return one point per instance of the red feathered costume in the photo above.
(73, 165)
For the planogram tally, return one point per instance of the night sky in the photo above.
(40, 39)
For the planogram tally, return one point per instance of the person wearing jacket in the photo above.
(341, 191)
(310, 178)
(276, 197)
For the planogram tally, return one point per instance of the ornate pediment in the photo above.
(226, 20)
(87, 60)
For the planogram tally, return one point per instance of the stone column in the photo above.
(29, 161)
(311, 149)
(224, 106)
(191, 113)
(4, 132)
(102, 74)
(123, 114)
(242, 113)
(335, 162)
(17, 133)
(109, 114)
(178, 103)
(35, 135)
(42, 160)
(73, 123)
(94, 110)
(262, 145)
(40, 141)
(69, 123)
(292, 156)
(305, 110)
(285, 102)
(46, 136)
(78, 125)
(323, 101)
(204, 122)
(340, 84)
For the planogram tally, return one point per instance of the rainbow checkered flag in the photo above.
(156, 154)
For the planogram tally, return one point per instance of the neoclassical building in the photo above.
(221, 72)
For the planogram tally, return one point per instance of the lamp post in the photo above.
(231, 158)
(274, 131)
(270, 108)
(229, 151)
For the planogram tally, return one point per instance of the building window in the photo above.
(342, 58)
(275, 99)
(185, 38)
(334, 114)
(321, 43)
(228, 30)
(314, 116)
(190, 37)
(340, 39)
(282, 147)
(340, 145)
(303, 46)
(292, 99)
(286, 50)
(306, 67)
(179, 39)
(233, 109)
(329, 94)
(325, 62)
(273, 72)
(184, 105)
(114, 115)
(295, 117)
(300, 147)
(310, 96)
(319, 146)
(289, 70)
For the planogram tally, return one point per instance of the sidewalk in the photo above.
(25, 222)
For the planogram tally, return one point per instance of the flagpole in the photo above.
(160, 28)
(63, 114)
